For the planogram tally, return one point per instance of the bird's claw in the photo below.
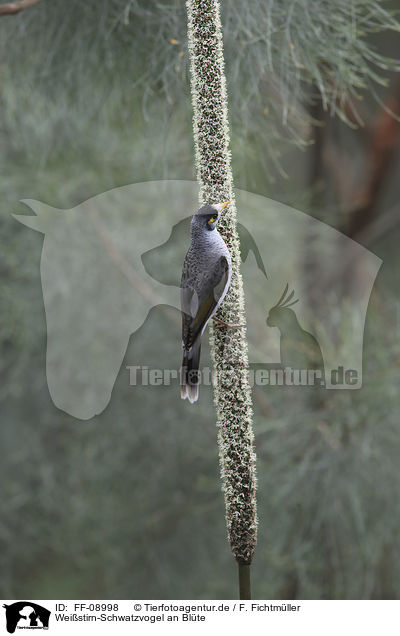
(227, 325)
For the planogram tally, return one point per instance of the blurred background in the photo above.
(94, 95)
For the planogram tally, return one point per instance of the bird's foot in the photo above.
(221, 324)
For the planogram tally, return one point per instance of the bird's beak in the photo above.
(223, 205)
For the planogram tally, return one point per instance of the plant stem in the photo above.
(232, 393)
(244, 581)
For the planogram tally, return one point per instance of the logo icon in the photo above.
(26, 615)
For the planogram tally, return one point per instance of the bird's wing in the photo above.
(199, 306)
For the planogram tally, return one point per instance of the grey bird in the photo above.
(206, 276)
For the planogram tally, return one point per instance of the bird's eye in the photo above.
(212, 220)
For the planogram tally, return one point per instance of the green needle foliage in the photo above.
(280, 57)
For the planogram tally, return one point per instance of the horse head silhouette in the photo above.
(105, 264)
(96, 290)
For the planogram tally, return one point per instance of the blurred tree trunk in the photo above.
(317, 186)
(228, 347)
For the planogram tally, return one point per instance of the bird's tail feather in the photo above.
(189, 373)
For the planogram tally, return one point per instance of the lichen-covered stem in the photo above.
(228, 346)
